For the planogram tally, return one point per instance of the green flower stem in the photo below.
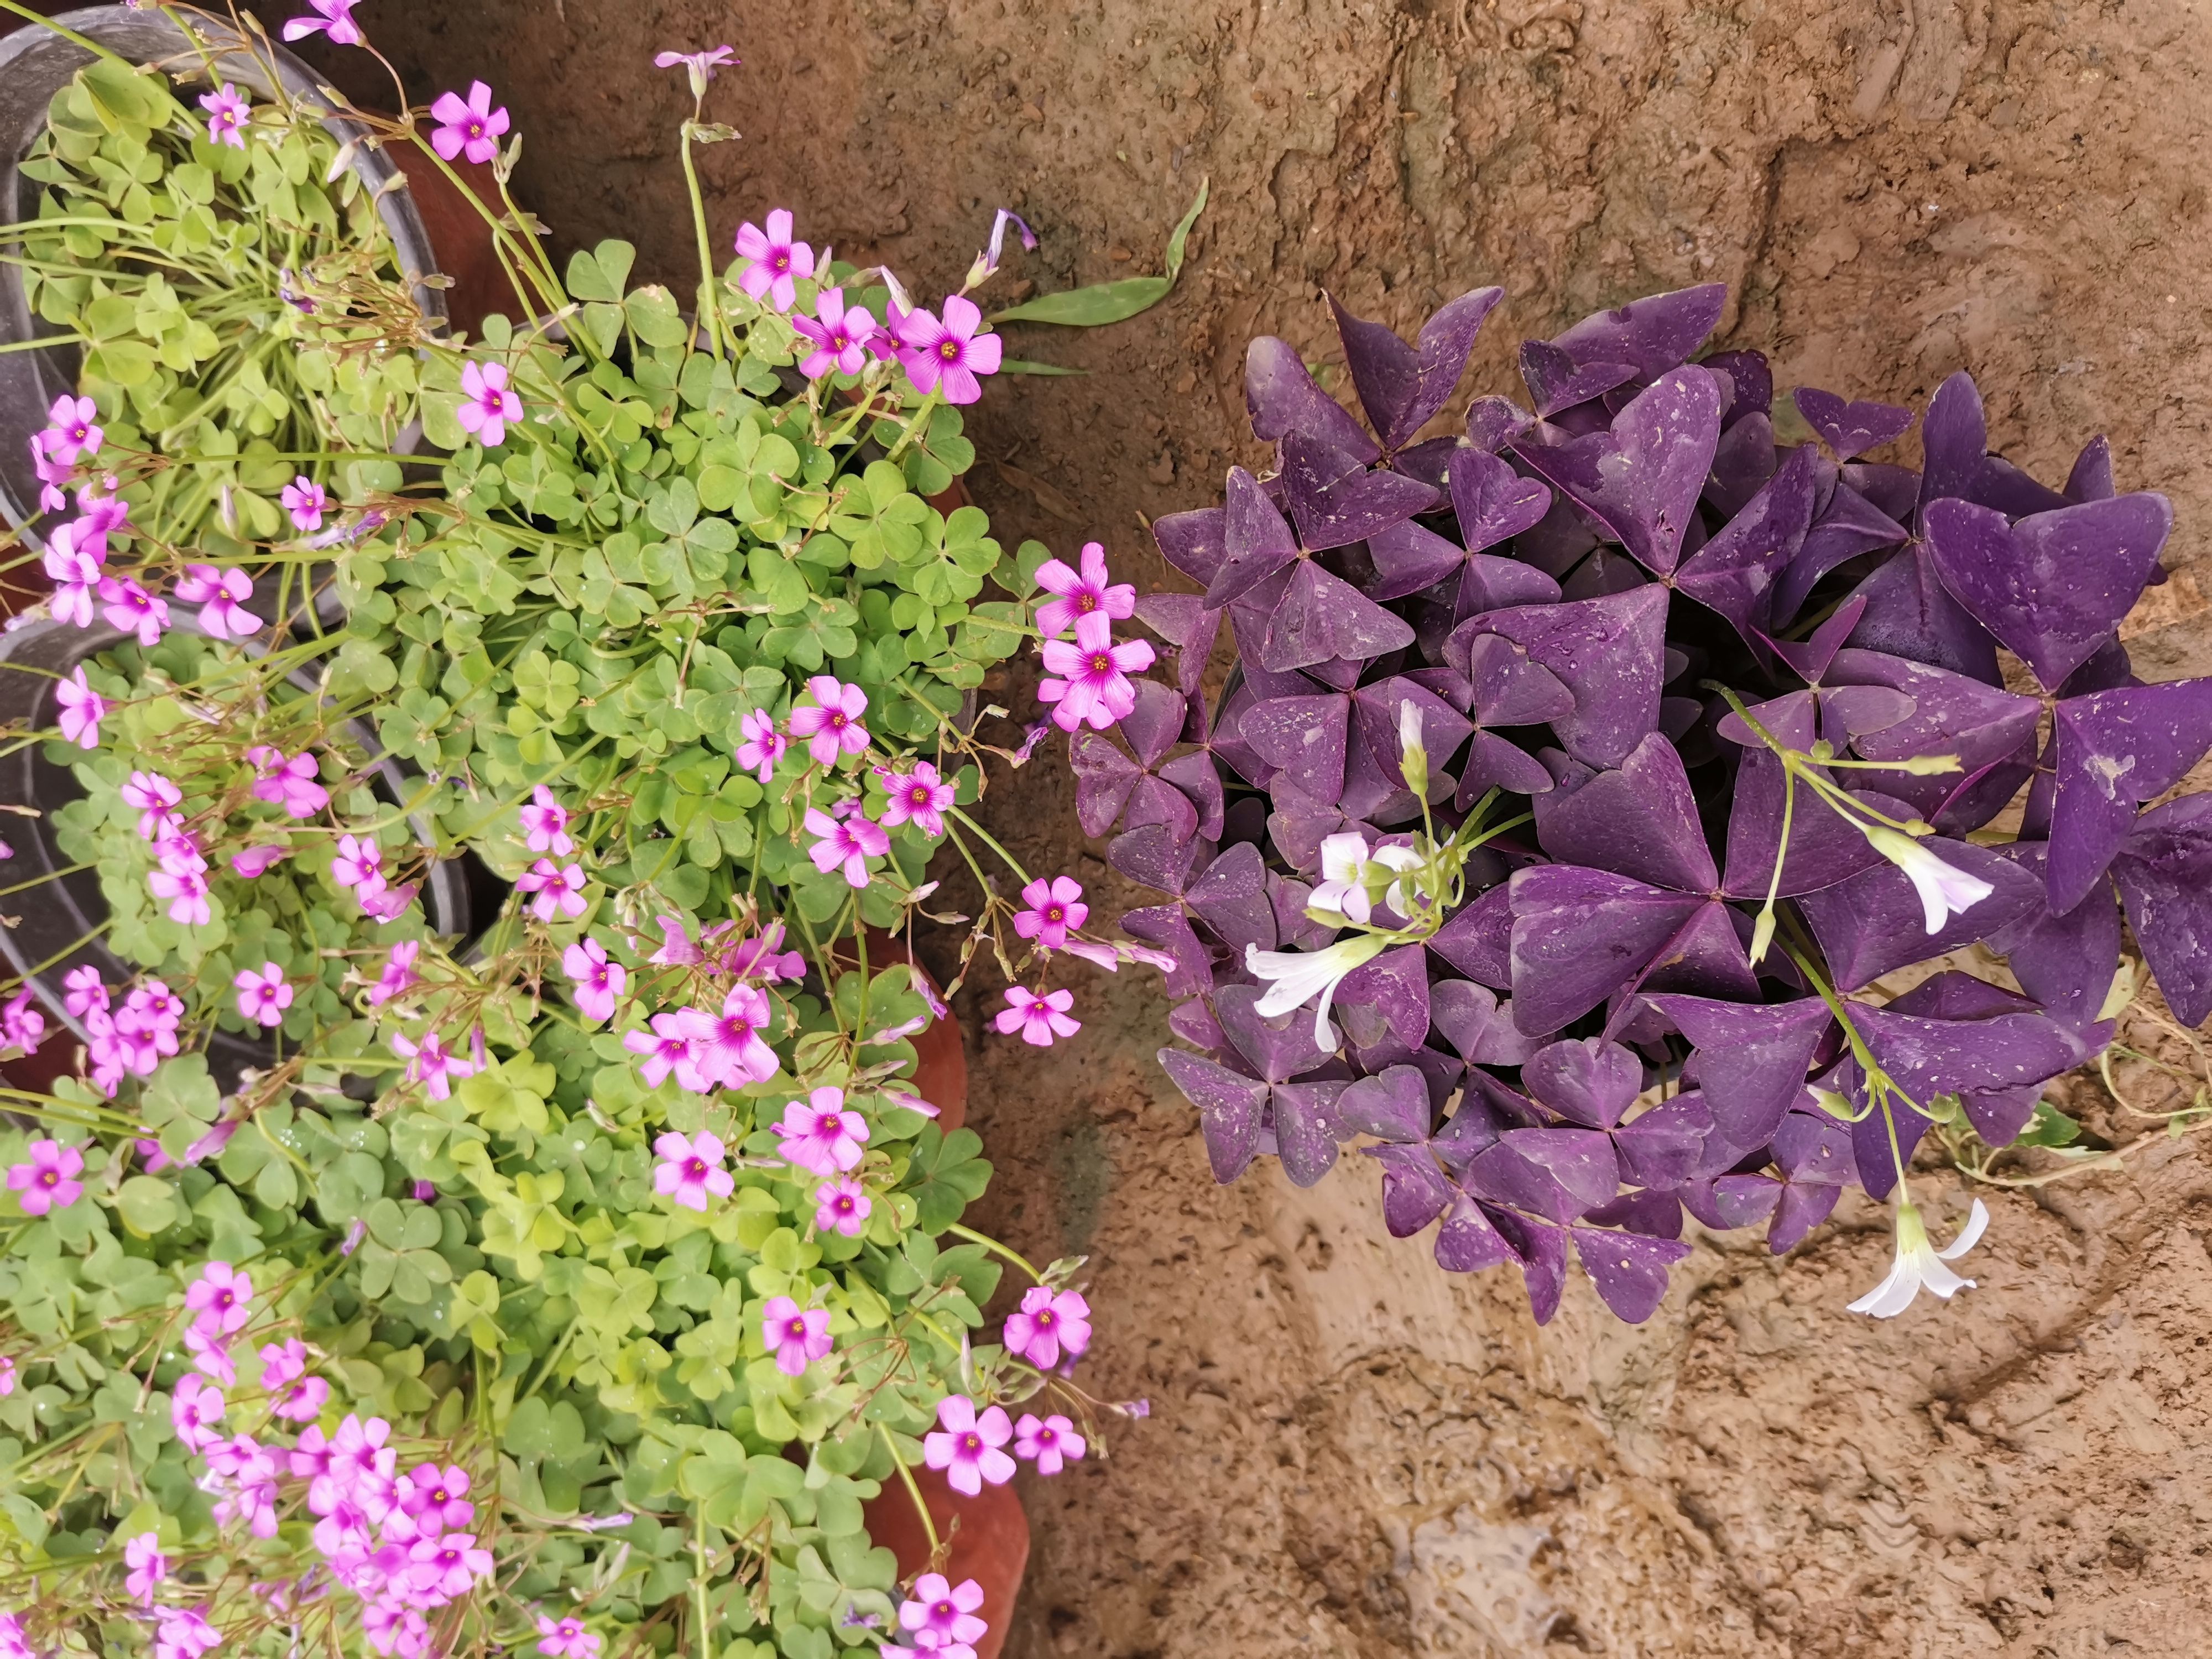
(985, 836)
(990, 1243)
(913, 1491)
(917, 422)
(710, 310)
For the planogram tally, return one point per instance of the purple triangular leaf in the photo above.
(1493, 503)
(1392, 991)
(2052, 587)
(1910, 613)
(1849, 430)
(1951, 715)
(2164, 873)
(1304, 738)
(2115, 749)
(1479, 1027)
(1610, 654)
(1103, 778)
(1231, 899)
(1873, 924)
(1640, 820)
(1556, 382)
(1305, 1129)
(1282, 398)
(1590, 1082)
(1393, 1105)
(1661, 1148)
(1494, 422)
(1257, 539)
(1642, 478)
(1743, 461)
(1705, 956)
(1847, 526)
(1929, 1057)
(1809, 658)
(1750, 380)
(1468, 1242)
(1153, 856)
(1400, 386)
(1507, 685)
(1228, 1109)
(1478, 940)
(1166, 926)
(1324, 617)
(1750, 1060)
(1281, 1047)
(1336, 500)
(1414, 1190)
(1152, 726)
(1554, 1173)
(1195, 775)
(1955, 439)
(1578, 935)
(1195, 543)
(1651, 334)
(1628, 1269)
(2064, 961)
(2091, 480)
(1377, 709)
(1152, 802)
(1409, 558)
(1734, 574)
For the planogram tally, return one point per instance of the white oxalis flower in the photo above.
(1945, 889)
(1295, 978)
(1919, 1264)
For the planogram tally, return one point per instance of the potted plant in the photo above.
(1591, 790)
(576, 1277)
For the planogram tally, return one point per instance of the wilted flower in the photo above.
(700, 66)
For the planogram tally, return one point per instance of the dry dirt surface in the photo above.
(1349, 1453)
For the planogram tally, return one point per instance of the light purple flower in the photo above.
(292, 784)
(918, 797)
(359, 863)
(1048, 1323)
(939, 1615)
(595, 984)
(691, 1168)
(558, 889)
(155, 799)
(1048, 1441)
(1038, 1018)
(265, 996)
(149, 1566)
(184, 1633)
(194, 1409)
(220, 595)
(22, 1025)
(303, 1399)
(1053, 908)
(987, 262)
(82, 992)
(468, 127)
(700, 66)
(967, 1448)
(798, 1337)
(304, 498)
(729, 1048)
(282, 1362)
(841, 1205)
(227, 116)
(398, 975)
(763, 745)
(48, 1179)
(777, 261)
(432, 1064)
(253, 862)
(487, 403)
(950, 354)
(850, 842)
(449, 1565)
(129, 607)
(72, 562)
(841, 336)
(188, 895)
(219, 1299)
(819, 1135)
(1082, 594)
(387, 905)
(665, 1049)
(211, 1357)
(336, 19)
(545, 824)
(6, 1375)
(566, 1638)
(72, 432)
(436, 1500)
(831, 724)
(179, 854)
(1091, 681)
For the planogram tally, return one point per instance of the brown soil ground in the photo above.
(1349, 1453)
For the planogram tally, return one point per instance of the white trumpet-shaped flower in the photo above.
(1919, 1265)
(1295, 978)
(1349, 875)
(1945, 891)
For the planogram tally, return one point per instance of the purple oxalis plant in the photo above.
(1579, 779)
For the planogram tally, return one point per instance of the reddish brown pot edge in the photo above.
(989, 1534)
(460, 236)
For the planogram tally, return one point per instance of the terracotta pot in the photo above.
(465, 248)
(940, 1073)
(988, 1537)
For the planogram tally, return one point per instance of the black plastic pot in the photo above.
(44, 929)
(36, 63)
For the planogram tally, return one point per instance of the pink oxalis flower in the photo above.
(940, 1615)
(966, 1448)
(1038, 1018)
(666, 1050)
(1048, 1323)
(470, 127)
(797, 1336)
(47, 1180)
(729, 1048)
(1047, 1442)
(1084, 600)
(778, 263)
(306, 502)
(545, 824)
(263, 997)
(488, 402)
(840, 336)
(596, 983)
(221, 597)
(850, 842)
(334, 18)
(819, 1135)
(919, 797)
(566, 1638)
(227, 116)
(556, 889)
(841, 1205)
(949, 354)
(691, 1168)
(763, 745)
(1091, 681)
(1054, 907)
(831, 724)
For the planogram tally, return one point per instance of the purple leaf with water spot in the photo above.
(1849, 430)
(1642, 478)
(1402, 386)
(1281, 397)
